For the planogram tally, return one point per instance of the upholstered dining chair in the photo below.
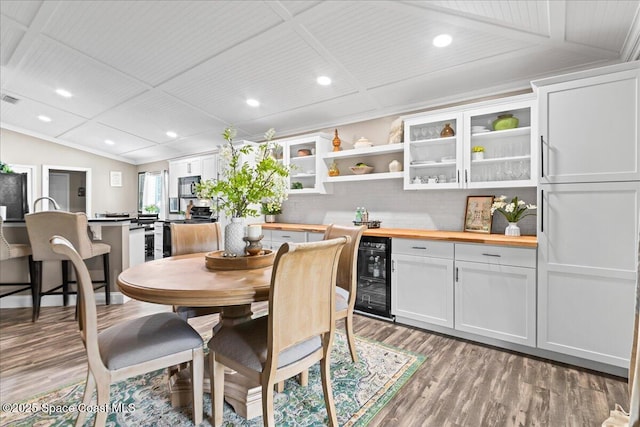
(193, 238)
(297, 333)
(14, 251)
(74, 227)
(130, 348)
(346, 286)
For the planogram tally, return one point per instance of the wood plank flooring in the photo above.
(460, 384)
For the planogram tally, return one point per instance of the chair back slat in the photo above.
(302, 295)
(193, 238)
(87, 314)
(348, 265)
(73, 226)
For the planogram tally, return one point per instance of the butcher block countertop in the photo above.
(408, 233)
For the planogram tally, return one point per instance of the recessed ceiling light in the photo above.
(44, 118)
(323, 81)
(64, 93)
(171, 134)
(109, 142)
(253, 102)
(442, 40)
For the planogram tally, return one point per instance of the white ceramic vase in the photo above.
(233, 234)
(395, 166)
(269, 218)
(478, 155)
(512, 229)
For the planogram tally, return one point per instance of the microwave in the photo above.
(187, 186)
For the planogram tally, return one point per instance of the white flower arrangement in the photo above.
(513, 211)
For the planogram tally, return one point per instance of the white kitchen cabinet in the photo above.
(495, 292)
(589, 125)
(158, 249)
(433, 161)
(314, 237)
(587, 267)
(422, 282)
(304, 154)
(273, 239)
(209, 167)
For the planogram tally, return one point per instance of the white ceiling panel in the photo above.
(154, 41)
(137, 69)
(153, 153)
(19, 10)
(10, 35)
(489, 78)
(531, 16)
(296, 7)
(25, 114)
(392, 45)
(600, 23)
(48, 66)
(274, 69)
(152, 114)
(93, 135)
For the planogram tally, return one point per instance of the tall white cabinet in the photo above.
(589, 199)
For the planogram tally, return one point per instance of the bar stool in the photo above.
(14, 251)
(41, 226)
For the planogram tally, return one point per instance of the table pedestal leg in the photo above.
(244, 396)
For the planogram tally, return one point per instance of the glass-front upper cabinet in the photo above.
(499, 147)
(433, 150)
(304, 154)
(484, 145)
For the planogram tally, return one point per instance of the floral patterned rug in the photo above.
(360, 390)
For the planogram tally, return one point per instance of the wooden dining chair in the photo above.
(346, 286)
(297, 333)
(130, 348)
(74, 227)
(194, 238)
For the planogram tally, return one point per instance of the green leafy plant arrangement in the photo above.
(245, 185)
(513, 211)
(152, 209)
(477, 149)
(5, 168)
(271, 208)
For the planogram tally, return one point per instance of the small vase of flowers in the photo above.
(477, 152)
(513, 211)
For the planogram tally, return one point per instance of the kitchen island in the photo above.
(124, 235)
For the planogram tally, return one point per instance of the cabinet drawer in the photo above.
(422, 248)
(289, 236)
(502, 255)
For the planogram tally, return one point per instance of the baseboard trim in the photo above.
(21, 301)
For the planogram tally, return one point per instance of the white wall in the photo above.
(17, 148)
(388, 202)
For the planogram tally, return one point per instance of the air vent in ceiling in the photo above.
(10, 99)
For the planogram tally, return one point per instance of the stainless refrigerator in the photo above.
(13, 194)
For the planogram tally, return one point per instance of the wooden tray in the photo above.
(215, 261)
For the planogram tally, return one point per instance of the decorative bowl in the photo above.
(363, 143)
(361, 170)
(304, 152)
(505, 121)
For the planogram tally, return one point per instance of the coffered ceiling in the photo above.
(137, 69)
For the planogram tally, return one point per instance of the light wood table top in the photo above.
(184, 280)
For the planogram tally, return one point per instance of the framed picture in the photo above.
(116, 178)
(477, 217)
(174, 206)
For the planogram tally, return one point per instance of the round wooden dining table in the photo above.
(185, 280)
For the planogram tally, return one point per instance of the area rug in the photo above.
(360, 390)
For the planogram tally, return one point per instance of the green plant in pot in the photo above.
(243, 185)
(477, 152)
(513, 212)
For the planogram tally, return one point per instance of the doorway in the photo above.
(70, 187)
